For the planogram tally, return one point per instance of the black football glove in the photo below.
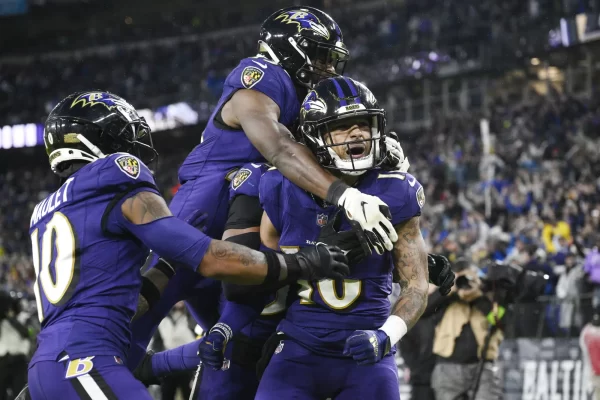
(440, 273)
(322, 262)
(351, 242)
(143, 372)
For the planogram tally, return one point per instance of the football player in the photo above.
(337, 337)
(232, 348)
(298, 46)
(90, 237)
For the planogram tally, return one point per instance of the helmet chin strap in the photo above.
(95, 150)
(348, 167)
(265, 48)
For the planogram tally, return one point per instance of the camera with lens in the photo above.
(464, 282)
(510, 283)
(9, 304)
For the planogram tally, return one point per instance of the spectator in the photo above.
(417, 350)
(460, 335)
(589, 342)
(175, 331)
(592, 268)
(568, 292)
(14, 348)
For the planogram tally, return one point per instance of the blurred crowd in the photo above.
(527, 192)
(388, 41)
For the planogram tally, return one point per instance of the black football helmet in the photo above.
(339, 103)
(306, 42)
(86, 126)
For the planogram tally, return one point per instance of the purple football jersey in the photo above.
(327, 311)
(223, 148)
(247, 182)
(205, 176)
(87, 265)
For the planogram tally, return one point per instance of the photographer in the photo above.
(14, 347)
(464, 319)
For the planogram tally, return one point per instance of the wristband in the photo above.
(223, 329)
(395, 328)
(335, 192)
(280, 267)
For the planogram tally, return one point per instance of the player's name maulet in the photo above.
(52, 202)
(161, 119)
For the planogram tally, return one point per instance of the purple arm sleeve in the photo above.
(182, 358)
(172, 239)
(238, 315)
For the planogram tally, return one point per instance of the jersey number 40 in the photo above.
(56, 247)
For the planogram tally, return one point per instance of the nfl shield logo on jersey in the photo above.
(322, 219)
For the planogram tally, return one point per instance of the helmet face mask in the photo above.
(306, 42)
(326, 61)
(342, 124)
(86, 126)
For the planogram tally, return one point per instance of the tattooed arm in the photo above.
(410, 260)
(147, 217)
(221, 260)
(145, 207)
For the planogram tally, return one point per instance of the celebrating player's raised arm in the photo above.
(258, 116)
(150, 220)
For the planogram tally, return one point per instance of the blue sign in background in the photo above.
(13, 7)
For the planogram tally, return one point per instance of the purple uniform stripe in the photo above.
(353, 90)
(340, 93)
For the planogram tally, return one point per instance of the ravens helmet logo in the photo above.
(305, 21)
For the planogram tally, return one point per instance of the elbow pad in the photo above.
(250, 239)
(241, 293)
(174, 240)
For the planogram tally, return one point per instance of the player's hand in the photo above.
(212, 347)
(394, 160)
(440, 273)
(348, 241)
(367, 347)
(373, 216)
(143, 371)
(198, 220)
(322, 262)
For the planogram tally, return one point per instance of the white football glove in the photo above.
(395, 155)
(373, 216)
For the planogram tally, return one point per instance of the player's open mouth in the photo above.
(356, 150)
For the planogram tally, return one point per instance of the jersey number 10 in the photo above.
(58, 246)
